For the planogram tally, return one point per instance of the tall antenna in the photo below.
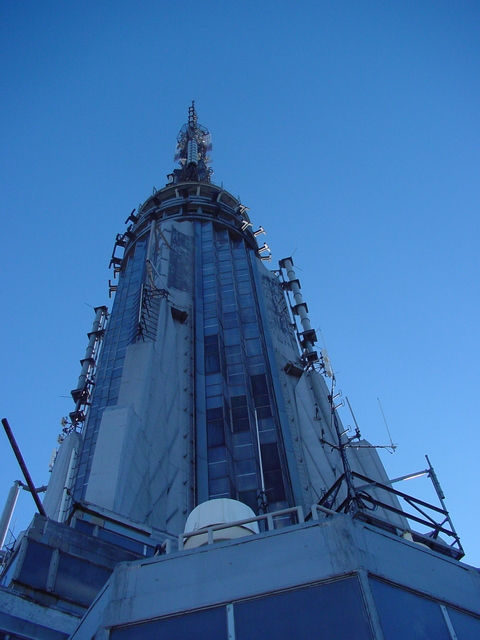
(392, 446)
(193, 143)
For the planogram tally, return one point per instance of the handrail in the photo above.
(269, 518)
(420, 506)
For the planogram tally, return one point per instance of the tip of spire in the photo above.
(193, 143)
(192, 116)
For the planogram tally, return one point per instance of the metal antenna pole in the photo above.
(8, 511)
(394, 446)
(357, 432)
(23, 467)
(351, 493)
(441, 496)
(263, 495)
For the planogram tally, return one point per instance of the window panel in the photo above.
(235, 368)
(238, 389)
(259, 385)
(466, 626)
(264, 412)
(214, 378)
(236, 379)
(230, 320)
(34, 571)
(268, 436)
(217, 454)
(314, 613)
(243, 451)
(245, 466)
(250, 498)
(232, 337)
(218, 486)
(214, 390)
(67, 581)
(239, 412)
(211, 329)
(215, 414)
(235, 358)
(270, 457)
(239, 401)
(265, 424)
(212, 362)
(245, 300)
(274, 486)
(242, 438)
(406, 615)
(217, 470)
(215, 401)
(241, 425)
(201, 625)
(261, 401)
(215, 433)
(247, 482)
(253, 347)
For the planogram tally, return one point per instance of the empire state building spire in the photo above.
(193, 143)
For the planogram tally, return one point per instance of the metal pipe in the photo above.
(441, 496)
(318, 507)
(23, 467)
(264, 503)
(100, 312)
(297, 296)
(8, 511)
(300, 305)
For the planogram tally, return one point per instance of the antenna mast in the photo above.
(193, 143)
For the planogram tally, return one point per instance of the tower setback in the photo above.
(206, 466)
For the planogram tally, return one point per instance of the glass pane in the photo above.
(466, 627)
(217, 470)
(203, 625)
(406, 615)
(274, 486)
(36, 564)
(121, 541)
(78, 579)
(270, 457)
(316, 613)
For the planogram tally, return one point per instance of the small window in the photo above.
(406, 615)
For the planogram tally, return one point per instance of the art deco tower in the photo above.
(200, 390)
(205, 486)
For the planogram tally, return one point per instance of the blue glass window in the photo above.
(201, 625)
(315, 613)
(215, 433)
(219, 487)
(466, 626)
(121, 331)
(406, 615)
(78, 579)
(35, 566)
(233, 346)
(274, 486)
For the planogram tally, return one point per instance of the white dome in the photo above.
(219, 511)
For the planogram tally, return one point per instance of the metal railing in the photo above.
(268, 519)
(368, 499)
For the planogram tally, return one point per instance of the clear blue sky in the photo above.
(350, 129)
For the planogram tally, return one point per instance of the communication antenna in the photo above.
(327, 365)
(357, 430)
(392, 446)
(389, 447)
(262, 495)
